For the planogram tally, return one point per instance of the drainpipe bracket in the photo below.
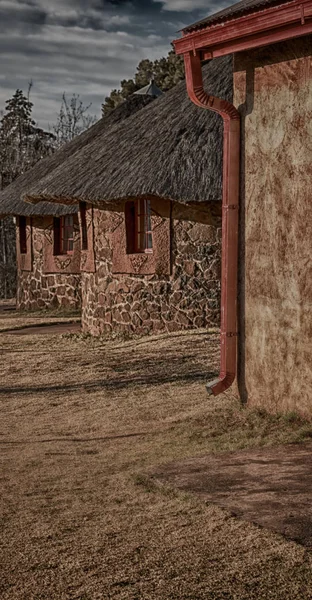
(230, 207)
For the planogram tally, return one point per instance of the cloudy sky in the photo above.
(85, 46)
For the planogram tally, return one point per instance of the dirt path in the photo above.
(49, 329)
(83, 424)
(11, 319)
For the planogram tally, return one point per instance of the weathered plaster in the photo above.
(273, 90)
(184, 297)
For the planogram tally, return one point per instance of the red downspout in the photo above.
(230, 202)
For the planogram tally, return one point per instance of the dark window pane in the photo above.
(83, 219)
(57, 236)
(22, 235)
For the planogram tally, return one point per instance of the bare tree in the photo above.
(72, 119)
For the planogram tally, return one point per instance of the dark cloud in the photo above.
(85, 47)
(21, 16)
(138, 4)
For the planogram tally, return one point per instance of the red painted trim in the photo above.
(230, 201)
(260, 28)
(259, 40)
(137, 218)
(65, 239)
(142, 227)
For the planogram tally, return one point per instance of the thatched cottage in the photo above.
(152, 188)
(269, 124)
(51, 240)
(47, 252)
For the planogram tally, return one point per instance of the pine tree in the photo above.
(22, 144)
(15, 128)
(144, 72)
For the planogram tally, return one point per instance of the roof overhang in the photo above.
(262, 28)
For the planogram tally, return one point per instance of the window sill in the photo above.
(140, 252)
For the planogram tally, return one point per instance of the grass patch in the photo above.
(233, 427)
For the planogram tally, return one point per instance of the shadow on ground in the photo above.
(270, 487)
(159, 377)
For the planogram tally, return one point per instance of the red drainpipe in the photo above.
(230, 203)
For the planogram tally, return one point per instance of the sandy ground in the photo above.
(85, 422)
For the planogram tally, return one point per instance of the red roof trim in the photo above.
(268, 26)
(234, 11)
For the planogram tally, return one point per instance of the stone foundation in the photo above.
(186, 298)
(35, 289)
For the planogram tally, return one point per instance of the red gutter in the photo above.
(259, 39)
(230, 199)
(258, 29)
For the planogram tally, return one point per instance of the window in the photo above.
(22, 235)
(83, 220)
(64, 235)
(139, 226)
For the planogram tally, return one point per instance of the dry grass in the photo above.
(84, 421)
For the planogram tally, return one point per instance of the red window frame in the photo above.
(22, 225)
(83, 221)
(64, 235)
(139, 227)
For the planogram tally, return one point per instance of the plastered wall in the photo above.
(273, 92)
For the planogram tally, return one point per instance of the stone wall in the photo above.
(184, 296)
(36, 289)
(273, 90)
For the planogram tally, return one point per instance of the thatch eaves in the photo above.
(11, 202)
(20, 208)
(170, 149)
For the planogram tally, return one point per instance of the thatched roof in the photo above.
(19, 207)
(171, 149)
(235, 10)
(11, 202)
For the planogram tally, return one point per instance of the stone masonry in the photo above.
(185, 298)
(35, 289)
